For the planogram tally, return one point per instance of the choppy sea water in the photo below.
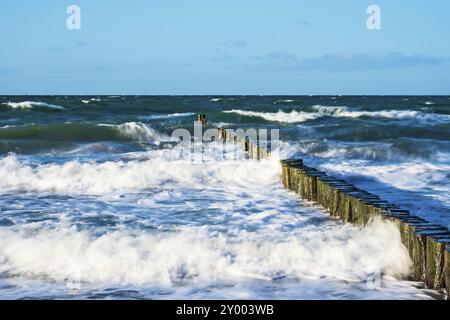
(95, 202)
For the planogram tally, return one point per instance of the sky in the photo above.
(204, 47)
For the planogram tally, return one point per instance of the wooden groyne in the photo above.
(428, 244)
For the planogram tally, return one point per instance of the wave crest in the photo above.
(141, 132)
(32, 104)
(190, 253)
(167, 116)
(134, 131)
(174, 168)
(318, 111)
(280, 116)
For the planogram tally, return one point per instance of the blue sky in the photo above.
(224, 47)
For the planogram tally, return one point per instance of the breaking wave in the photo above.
(194, 254)
(32, 104)
(167, 116)
(318, 111)
(91, 100)
(280, 116)
(267, 235)
(139, 131)
(283, 101)
(76, 177)
(393, 150)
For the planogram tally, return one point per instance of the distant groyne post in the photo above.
(201, 118)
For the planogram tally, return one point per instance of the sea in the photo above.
(98, 200)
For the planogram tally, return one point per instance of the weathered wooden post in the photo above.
(201, 118)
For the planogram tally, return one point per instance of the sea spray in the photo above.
(194, 254)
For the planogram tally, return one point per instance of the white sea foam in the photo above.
(414, 176)
(194, 254)
(32, 104)
(223, 124)
(283, 101)
(343, 112)
(420, 186)
(91, 100)
(76, 177)
(257, 232)
(280, 116)
(407, 175)
(167, 116)
(392, 114)
(398, 151)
